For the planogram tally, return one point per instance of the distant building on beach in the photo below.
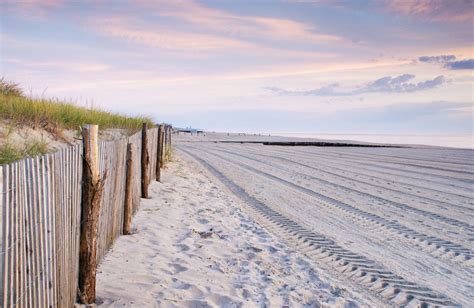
(188, 130)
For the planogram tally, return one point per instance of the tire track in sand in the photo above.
(439, 248)
(371, 276)
(428, 214)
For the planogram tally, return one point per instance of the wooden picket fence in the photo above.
(40, 216)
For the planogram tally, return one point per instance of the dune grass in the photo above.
(54, 115)
(10, 153)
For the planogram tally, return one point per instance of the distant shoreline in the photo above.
(453, 141)
(412, 140)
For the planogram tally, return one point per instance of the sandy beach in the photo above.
(244, 224)
(195, 245)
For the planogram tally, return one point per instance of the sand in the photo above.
(193, 245)
(252, 225)
(396, 222)
(21, 135)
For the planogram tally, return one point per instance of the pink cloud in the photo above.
(171, 39)
(34, 3)
(31, 9)
(201, 28)
(165, 38)
(243, 26)
(433, 10)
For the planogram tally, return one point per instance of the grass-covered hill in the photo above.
(29, 126)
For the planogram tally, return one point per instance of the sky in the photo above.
(374, 66)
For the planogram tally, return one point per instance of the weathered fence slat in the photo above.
(7, 253)
(162, 148)
(28, 231)
(159, 146)
(145, 158)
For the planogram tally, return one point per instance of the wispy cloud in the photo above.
(426, 10)
(329, 90)
(170, 39)
(204, 18)
(437, 59)
(449, 62)
(401, 84)
(32, 3)
(461, 65)
(201, 28)
(431, 10)
(388, 84)
(31, 9)
(272, 28)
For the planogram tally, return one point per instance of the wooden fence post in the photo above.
(145, 161)
(158, 152)
(165, 143)
(127, 208)
(162, 147)
(92, 187)
(169, 143)
(163, 151)
(171, 152)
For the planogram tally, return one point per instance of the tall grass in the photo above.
(54, 114)
(10, 153)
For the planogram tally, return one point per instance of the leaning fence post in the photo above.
(158, 152)
(127, 208)
(92, 187)
(145, 161)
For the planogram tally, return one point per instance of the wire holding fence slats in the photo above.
(40, 217)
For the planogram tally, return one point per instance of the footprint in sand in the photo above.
(271, 249)
(254, 249)
(183, 247)
(178, 268)
(194, 304)
(224, 301)
(246, 294)
(180, 285)
(203, 221)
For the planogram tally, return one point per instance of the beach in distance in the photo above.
(464, 141)
(247, 224)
